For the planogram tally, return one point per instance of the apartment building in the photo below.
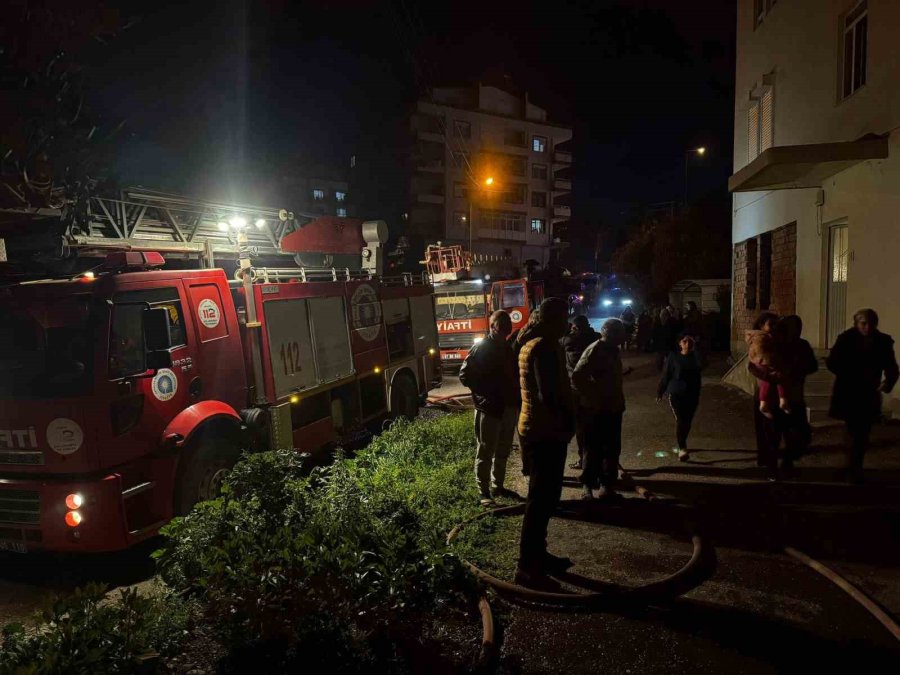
(489, 171)
(816, 183)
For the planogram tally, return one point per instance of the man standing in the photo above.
(546, 425)
(490, 372)
(598, 381)
(861, 356)
(574, 344)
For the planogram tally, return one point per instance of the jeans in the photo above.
(603, 445)
(547, 460)
(494, 436)
(683, 408)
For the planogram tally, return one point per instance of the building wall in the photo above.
(438, 214)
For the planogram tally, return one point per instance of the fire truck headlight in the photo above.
(74, 501)
(432, 351)
(607, 303)
(626, 302)
(477, 339)
(73, 519)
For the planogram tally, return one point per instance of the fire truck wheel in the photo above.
(203, 470)
(404, 397)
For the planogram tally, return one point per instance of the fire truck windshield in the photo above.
(459, 305)
(46, 348)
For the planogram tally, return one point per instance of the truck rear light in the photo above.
(74, 501)
(73, 519)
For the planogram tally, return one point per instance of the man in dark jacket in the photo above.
(598, 381)
(491, 373)
(579, 338)
(865, 366)
(546, 425)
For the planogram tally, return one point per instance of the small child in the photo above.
(762, 354)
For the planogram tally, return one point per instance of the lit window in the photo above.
(538, 225)
(340, 196)
(539, 199)
(539, 143)
(856, 39)
(318, 194)
(342, 212)
(539, 171)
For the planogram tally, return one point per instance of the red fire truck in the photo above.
(127, 391)
(463, 305)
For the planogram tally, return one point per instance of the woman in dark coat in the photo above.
(864, 365)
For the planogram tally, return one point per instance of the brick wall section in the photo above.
(778, 261)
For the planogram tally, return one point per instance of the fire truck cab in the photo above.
(127, 392)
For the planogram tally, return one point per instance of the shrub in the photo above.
(353, 554)
(86, 632)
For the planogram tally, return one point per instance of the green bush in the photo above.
(353, 554)
(87, 632)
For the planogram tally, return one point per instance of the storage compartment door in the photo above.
(331, 338)
(290, 346)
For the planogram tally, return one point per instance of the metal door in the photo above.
(838, 257)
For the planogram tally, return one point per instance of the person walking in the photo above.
(574, 344)
(798, 362)
(491, 373)
(680, 382)
(598, 381)
(546, 425)
(863, 362)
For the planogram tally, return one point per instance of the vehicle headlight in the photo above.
(607, 303)
(477, 339)
(626, 302)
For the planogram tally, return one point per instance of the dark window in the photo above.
(463, 129)
(126, 339)
(460, 159)
(855, 53)
(518, 166)
(539, 144)
(460, 190)
(539, 199)
(514, 194)
(539, 171)
(513, 296)
(515, 138)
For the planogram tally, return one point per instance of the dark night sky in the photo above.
(215, 92)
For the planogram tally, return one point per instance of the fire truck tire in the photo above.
(404, 396)
(202, 469)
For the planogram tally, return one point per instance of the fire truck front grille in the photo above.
(456, 340)
(20, 507)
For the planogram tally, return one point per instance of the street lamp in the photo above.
(687, 156)
(487, 182)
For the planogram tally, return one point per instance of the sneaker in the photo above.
(683, 455)
(586, 492)
(536, 580)
(555, 564)
(487, 502)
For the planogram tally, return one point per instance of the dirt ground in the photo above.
(762, 611)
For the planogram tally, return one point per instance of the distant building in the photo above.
(318, 196)
(465, 136)
(816, 164)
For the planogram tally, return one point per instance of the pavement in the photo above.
(762, 611)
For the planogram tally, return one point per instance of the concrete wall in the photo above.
(799, 42)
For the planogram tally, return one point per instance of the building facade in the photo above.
(490, 172)
(816, 183)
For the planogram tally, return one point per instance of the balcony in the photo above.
(562, 211)
(507, 235)
(562, 157)
(562, 185)
(430, 166)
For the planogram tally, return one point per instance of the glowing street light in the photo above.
(489, 180)
(700, 151)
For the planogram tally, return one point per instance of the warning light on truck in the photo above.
(74, 501)
(73, 519)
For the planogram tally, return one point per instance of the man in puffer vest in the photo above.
(546, 425)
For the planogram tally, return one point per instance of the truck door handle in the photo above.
(195, 388)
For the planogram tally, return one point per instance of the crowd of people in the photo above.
(554, 381)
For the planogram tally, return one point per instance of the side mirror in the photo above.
(156, 329)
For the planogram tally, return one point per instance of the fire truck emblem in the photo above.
(64, 436)
(515, 315)
(165, 384)
(209, 313)
(365, 310)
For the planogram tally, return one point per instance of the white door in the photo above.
(838, 257)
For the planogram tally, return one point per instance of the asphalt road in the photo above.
(762, 611)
